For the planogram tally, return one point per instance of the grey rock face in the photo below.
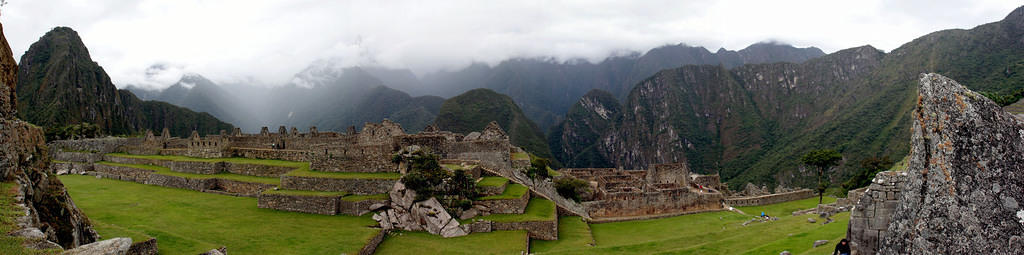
(426, 215)
(966, 176)
(116, 246)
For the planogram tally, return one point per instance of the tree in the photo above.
(824, 160)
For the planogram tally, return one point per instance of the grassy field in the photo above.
(228, 176)
(512, 191)
(704, 233)
(189, 222)
(422, 243)
(492, 181)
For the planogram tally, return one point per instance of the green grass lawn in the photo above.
(356, 198)
(305, 172)
(573, 234)
(227, 176)
(422, 243)
(706, 233)
(454, 167)
(492, 181)
(512, 191)
(189, 222)
(538, 209)
(520, 156)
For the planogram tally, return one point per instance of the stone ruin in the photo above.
(663, 190)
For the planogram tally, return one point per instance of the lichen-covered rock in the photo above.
(965, 176)
(115, 246)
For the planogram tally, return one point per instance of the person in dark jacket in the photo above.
(842, 248)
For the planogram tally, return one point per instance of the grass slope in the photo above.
(419, 243)
(512, 191)
(189, 222)
(704, 233)
(538, 209)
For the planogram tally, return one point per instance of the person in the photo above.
(842, 248)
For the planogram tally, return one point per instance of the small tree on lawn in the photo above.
(824, 160)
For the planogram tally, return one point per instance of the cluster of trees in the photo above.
(824, 160)
(73, 131)
(455, 190)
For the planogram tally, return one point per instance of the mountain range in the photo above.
(747, 115)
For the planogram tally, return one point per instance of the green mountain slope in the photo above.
(59, 84)
(473, 110)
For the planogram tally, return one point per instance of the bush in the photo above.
(538, 168)
(428, 179)
(571, 188)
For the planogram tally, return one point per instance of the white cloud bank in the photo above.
(269, 41)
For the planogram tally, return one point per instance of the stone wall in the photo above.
(513, 206)
(869, 219)
(370, 247)
(71, 156)
(770, 199)
(635, 204)
(261, 153)
(357, 208)
(257, 170)
(137, 161)
(182, 182)
(326, 205)
(354, 186)
(123, 173)
(353, 158)
(677, 173)
(543, 230)
(491, 154)
(99, 145)
(196, 167)
(249, 189)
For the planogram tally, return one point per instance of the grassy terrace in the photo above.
(573, 233)
(512, 191)
(520, 156)
(703, 233)
(226, 176)
(538, 209)
(454, 167)
(189, 222)
(421, 243)
(492, 181)
(305, 172)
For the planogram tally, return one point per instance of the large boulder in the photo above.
(115, 246)
(965, 176)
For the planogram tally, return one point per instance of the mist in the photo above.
(266, 43)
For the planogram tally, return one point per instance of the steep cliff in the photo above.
(966, 176)
(59, 84)
(51, 217)
(584, 124)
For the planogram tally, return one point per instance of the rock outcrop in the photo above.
(24, 160)
(406, 214)
(115, 246)
(965, 176)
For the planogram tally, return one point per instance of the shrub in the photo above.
(538, 168)
(428, 179)
(571, 188)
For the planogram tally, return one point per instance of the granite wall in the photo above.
(870, 217)
(326, 205)
(770, 199)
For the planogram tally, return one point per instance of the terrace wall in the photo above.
(543, 230)
(257, 169)
(673, 201)
(137, 161)
(123, 173)
(70, 156)
(260, 153)
(513, 206)
(249, 189)
(357, 208)
(354, 186)
(196, 167)
(60, 168)
(326, 205)
(770, 199)
(100, 145)
(491, 154)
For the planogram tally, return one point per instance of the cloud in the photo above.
(269, 41)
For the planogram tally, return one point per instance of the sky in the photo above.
(268, 42)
